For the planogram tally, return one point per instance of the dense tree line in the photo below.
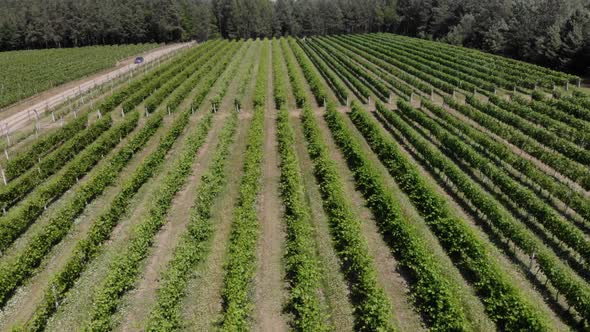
(554, 33)
(71, 23)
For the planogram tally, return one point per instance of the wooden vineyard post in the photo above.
(347, 101)
(7, 135)
(122, 113)
(454, 94)
(168, 107)
(4, 175)
(369, 101)
(411, 97)
(52, 116)
(192, 109)
(567, 86)
(99, 114)
(579, 82)
(324, 102)
(6, 154)
(495, 90)
(390, 101)
(432, 95)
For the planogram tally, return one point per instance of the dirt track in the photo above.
(22, 113)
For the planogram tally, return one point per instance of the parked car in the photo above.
(138, 60)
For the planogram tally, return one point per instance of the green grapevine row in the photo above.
(491, 147)
(504, 303)
(429, 288)
(50, 164)
(401, 88)
(374, 57)
(125, 267)
(89, 248)
(302, 265)
(575, 172)
(23, 161)
(15, 271)
(19, 218)
(372, 308)
(192, 246)
(312, 77)
(240, 266)
(563, 278)
(294, 76)
(507, 114)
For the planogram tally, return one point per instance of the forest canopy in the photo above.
(554, 33)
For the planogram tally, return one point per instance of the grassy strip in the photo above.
(23, 161)
(14, 272)
(301, 261)
(50, 164)
(430, 290)
(125, 268)
(240, 266)
(504, 304)
(563, 278)
(193, 245)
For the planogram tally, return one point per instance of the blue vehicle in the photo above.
(138, 60)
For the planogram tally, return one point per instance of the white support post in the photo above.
(567, 86)
(369, 101)
(99, 114)
(432, 95)
(4, 177)
(454, 94)
(579, 82)
(495, 90)
(52, 116)
(390, 101)
(122, 113)
(168, 110)
(347, 101)
(6, 154)
(411, 97)
(192, 109)
(324, 102)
